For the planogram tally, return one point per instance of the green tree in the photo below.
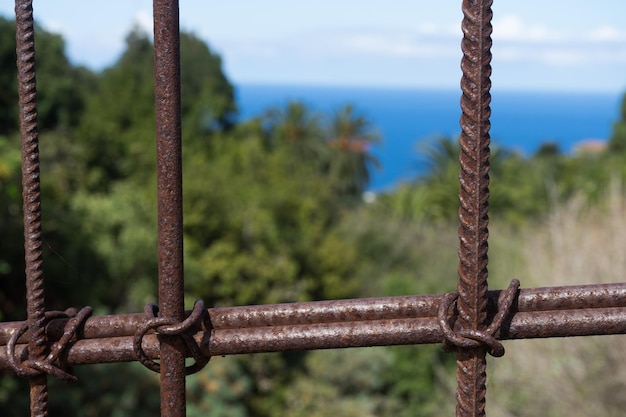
(351, 135)
(520, 188)
(251, 204)
(617, 143)
(296, 124)
(117, 132)
(339, 146)
(61, 87)
(208, 98)
(346, 382)
(11, 252)
(8, 78)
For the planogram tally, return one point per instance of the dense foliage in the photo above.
(273, 213)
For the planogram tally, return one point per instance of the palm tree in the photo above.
(351, 135)
(441, 155)
(293, 123)
(297, 125)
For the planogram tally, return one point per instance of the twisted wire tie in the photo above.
(51, 365)
(171, 327)
(469, 338)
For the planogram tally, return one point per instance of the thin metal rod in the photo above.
(473, 196)
(31, 194)
(169, 183)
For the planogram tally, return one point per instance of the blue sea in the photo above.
(520, 121)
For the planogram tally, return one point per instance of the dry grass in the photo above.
(572, 377)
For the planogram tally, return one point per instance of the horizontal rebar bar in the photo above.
(533, 299)
(538, 313)
(420, 330)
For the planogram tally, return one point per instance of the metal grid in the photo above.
(469, 321)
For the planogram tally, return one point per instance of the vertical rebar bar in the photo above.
(31, 195)
(169, 183)
(473, 196)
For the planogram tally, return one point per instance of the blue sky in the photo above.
(538, 44)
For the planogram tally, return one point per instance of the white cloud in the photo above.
(562, 57)
(441, 31)
(523, 43)
(243, 50)
(570, 56)
(56, 26)
(143, 19)
(402, 45)
(513, 28)
(373, 44)
(606, 34)
(348, 45)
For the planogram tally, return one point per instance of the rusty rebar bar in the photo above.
(473, 196)
(31, 195)
(419, 330)
(170, 213)
(298, 337)
(537, 313)
(529, 300)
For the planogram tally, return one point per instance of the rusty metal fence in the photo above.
(470, 321)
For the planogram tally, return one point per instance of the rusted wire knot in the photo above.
(51, 364)
(170, 327)
(469, 338)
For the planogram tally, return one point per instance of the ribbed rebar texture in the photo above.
(31, 194)
(473, 196)
(537, 313)
(169, 189)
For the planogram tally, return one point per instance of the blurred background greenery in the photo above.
(274, 213)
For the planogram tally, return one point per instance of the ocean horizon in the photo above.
(521, 121)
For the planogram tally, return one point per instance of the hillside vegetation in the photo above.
(273, 213)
